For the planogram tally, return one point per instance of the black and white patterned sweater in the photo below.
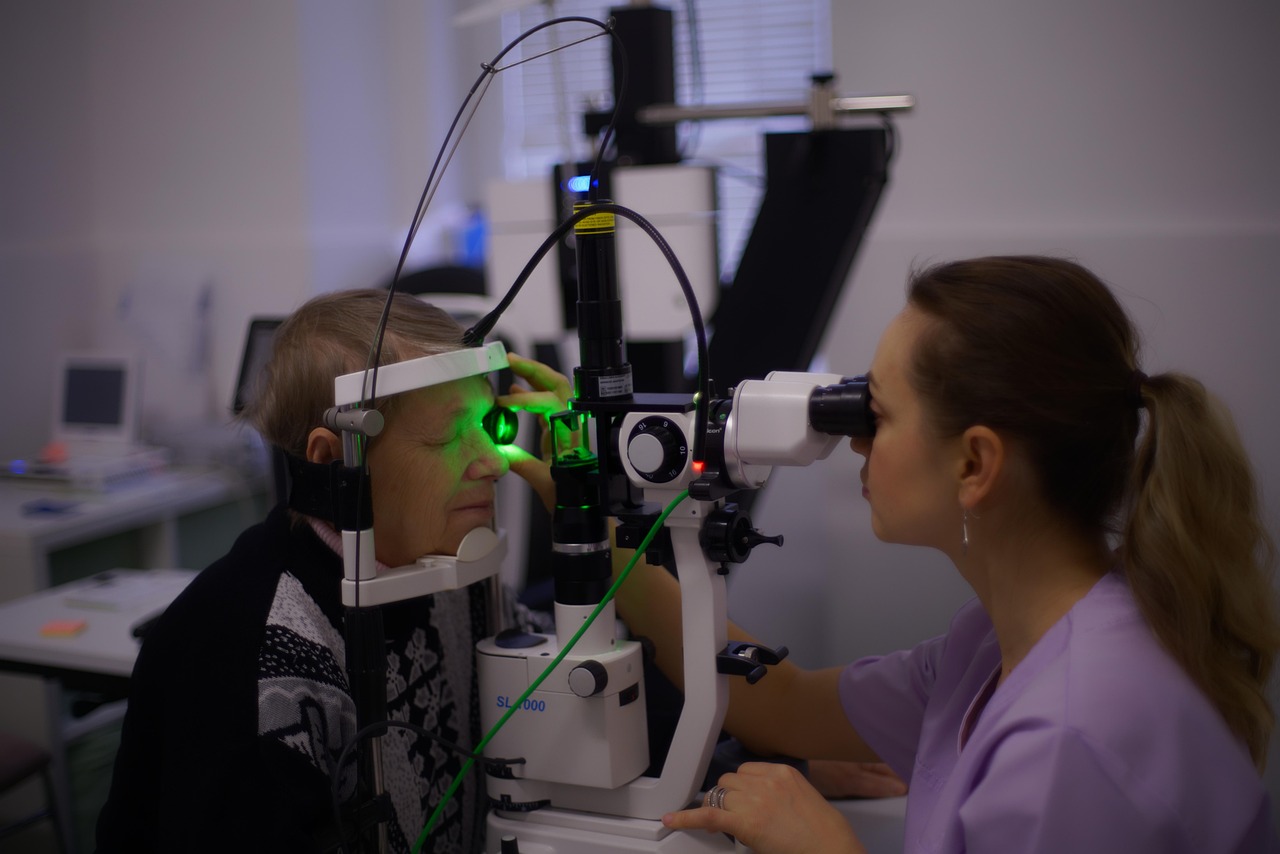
(239, 708)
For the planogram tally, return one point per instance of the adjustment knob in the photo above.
(657, 449)
(588, 679)
(727, 535)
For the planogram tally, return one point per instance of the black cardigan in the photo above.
(239, 706)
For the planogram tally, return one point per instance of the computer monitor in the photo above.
(96, 399)
(257, 350)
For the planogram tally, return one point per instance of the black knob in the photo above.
(588, 679)
(727, 535)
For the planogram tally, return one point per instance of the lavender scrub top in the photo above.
(1096, 742)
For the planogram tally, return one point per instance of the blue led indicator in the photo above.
(579, 183)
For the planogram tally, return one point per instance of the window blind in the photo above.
(727, 52)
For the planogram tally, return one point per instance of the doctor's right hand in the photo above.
(772, 809)
(547, 392)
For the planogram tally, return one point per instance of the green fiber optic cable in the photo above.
(555, 662)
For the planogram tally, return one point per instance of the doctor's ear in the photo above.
(984, 456)
(323, 446)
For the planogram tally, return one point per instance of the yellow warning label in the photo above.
(597, 223)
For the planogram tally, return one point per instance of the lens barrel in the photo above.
(843, 409)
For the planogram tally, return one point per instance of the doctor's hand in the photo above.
(546, 392)
(772, 809)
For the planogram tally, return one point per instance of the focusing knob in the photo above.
(657, 449)
(727, 535)
(588, 679)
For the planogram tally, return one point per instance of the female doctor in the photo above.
(1105, 690)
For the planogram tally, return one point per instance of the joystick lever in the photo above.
(741, 658)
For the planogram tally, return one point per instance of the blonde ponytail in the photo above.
(1198, 557)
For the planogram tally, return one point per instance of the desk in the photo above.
(182, 517)
(110, 604)
(42, 522)
(100, 656)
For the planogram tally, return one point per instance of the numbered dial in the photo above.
(657, 449)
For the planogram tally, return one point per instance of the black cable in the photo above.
(593, 180)
(483, 326)
(375, 355)
(490, 68)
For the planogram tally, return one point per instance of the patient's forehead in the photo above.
(448, 403)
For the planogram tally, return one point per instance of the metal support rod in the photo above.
(363, 630)
(665, 114)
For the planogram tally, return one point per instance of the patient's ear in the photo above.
(323, 446)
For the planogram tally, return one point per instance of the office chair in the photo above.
(20, 760)
(256, 353)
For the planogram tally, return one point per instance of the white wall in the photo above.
(1138, 138)
(44, 262)
(173, 169)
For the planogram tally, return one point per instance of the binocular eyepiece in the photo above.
(843, 408)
